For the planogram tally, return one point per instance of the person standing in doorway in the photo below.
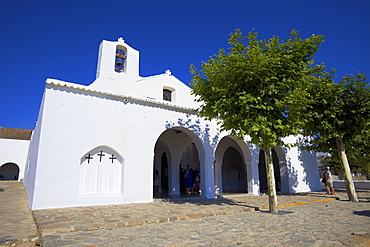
(156, 180)
(196, 180)
(188, 179)
(329, 182)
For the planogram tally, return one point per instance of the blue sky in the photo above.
(60, 39)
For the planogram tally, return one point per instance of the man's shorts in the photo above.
(329, 184)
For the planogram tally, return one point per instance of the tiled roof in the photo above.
(12, 133)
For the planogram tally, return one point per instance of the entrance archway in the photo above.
(9, 171)
(232, 166)
(234, 176)
(279, 164)
(175, 149)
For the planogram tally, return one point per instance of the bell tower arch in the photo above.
(118, 65)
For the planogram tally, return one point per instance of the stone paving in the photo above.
(305, 219)
(16, 220)
(333, 223)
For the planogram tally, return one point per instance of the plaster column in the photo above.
(173, 180)
(207, 178)
(218, 176)
(252, 172)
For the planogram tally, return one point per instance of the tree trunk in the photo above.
(351, 192)
(273, 206)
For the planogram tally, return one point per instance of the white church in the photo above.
(100, 144)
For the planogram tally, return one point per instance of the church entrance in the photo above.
(231, 169)
(9, 171)
(279, 165)
(175, 152)
(234, 176)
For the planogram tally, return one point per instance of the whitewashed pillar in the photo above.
(252, 172)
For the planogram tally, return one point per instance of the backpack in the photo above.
(324, 178)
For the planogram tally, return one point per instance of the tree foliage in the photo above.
(256, 88)
(339, 113)
(338, 110)
(253, 88)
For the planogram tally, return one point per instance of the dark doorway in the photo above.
(9, 171)
(262, 171)
(234, 176)
(164, 173)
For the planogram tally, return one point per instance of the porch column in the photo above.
(207, 177)
(252, 172)
(173, 178)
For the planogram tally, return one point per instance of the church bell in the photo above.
(119, 62)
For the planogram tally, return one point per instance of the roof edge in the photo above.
(125, 98)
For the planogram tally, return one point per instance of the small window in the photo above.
(119, 65)
(167, 94)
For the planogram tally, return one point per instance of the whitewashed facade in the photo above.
(99, 144)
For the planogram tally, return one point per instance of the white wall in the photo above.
(72, 125)
(302, 169)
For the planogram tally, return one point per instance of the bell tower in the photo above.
(118, 65)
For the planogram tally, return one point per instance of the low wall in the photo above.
(364, 185)
(359, 185)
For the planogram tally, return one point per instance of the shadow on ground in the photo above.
(362, 213)
(198, 200)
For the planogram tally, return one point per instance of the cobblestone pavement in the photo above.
(16, 221)
(228, 221)
(305, 219)
(333, 223)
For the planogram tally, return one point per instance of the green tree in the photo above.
(339, 113)
(255, 89)
(361, 163)
(359, 153)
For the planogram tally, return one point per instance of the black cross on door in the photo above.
(89, 158)
(112, 158)
(101, 155)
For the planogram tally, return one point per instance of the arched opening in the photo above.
(233, 159)
(176, 148)
(189, 170)
(234, 176)
(9, 171)
(120, 59)
(278, 163)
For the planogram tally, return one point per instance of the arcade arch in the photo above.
(9, 171)
(234, 175)
(176, 148)
(280, 170)
(233, 160)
